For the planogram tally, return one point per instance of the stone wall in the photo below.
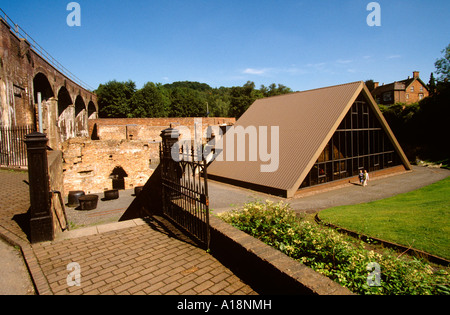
(147, 128)
(95, 166)
(122, 153)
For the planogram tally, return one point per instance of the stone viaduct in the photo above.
(26, 70)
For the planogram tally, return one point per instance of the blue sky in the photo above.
(301, 44)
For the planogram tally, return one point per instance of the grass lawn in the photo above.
(420, 219)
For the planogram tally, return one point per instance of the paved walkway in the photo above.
(14, 205)
(150, 256)
(137, 257)
(14, 278)
(134, 257)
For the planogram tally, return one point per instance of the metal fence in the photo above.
(185, 193)
(13, 151)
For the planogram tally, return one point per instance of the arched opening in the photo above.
(42, 85)
(64, 100)
(66, 115)
(118, 178)
(81, 126)
(79, 106)
(92, 111)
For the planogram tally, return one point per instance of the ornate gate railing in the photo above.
(185, 187)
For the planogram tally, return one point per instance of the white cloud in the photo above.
(255, 71)
(394, 56)
(320, 67)
(316, 65)
(343, 62)
(291, 70)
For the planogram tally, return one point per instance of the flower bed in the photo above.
(333, 255)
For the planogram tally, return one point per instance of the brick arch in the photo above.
(66, 114)
(64, 100)
(92, 110)
(42, 84)
(81, 117)
(80, 105)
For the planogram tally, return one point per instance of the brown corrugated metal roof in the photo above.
(306, 120)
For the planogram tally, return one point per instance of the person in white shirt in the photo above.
(366, 178)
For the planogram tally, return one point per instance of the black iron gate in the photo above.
(185, 187)
(13, 152)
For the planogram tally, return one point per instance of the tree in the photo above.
(186, 102)
(422, 128)
(370, 85)
(219, 108)
(190, 85)
(150, 101)
(432, 84)
(273, 90)
(179, 99)
(443, 65)
(241, 99)
(114, 99)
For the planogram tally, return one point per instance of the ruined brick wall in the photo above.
(147, 128)
(90, 165)
(15, 83)
(128, 145)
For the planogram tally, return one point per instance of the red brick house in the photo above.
(408, 91)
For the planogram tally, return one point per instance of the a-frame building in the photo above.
(325, 135)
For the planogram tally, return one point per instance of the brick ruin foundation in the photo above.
(120, 153)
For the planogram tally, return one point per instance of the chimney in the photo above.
(376, 84)
(416, 74)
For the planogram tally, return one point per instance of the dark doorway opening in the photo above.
(118, 178)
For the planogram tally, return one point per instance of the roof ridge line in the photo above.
(316, 89)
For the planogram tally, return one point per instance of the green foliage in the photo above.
(241, 99)
(432, 84)
(370, 85)
(443, 65)
(333, 255)
(422, 128)
(114, 99)
(190, 85)
(179, 99)
(150, 101)
(187, 102)
(274, 90)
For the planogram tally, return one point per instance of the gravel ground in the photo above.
(107, 211)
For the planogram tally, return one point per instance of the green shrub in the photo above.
(333, 255)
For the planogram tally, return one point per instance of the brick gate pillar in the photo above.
(41, 217)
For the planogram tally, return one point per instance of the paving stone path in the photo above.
(14, 278)
(150, 257)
